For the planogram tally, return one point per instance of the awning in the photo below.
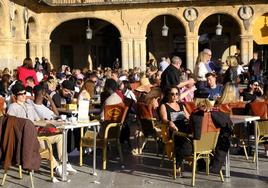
(260, 30)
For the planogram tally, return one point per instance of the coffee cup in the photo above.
(73, 119)
(63, 117)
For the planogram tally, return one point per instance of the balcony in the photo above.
(102, 2)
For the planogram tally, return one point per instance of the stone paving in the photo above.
(144, 171)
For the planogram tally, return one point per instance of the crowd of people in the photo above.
(36, 91)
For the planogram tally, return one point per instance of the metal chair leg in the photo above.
(4, 178)
(81, 155)
(143, 145)
(81, 147)
(104, 157)
(221, 175)
(174, 167)
(20, 172)
(207, 164)
(31, 177)
(245, 149)
(194, 170)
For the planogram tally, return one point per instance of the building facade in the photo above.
(130, 30)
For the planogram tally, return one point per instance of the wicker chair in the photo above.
(148, 125)
(262, 127)
(114, 116)
(203, 148)
(260, 108)
(237, 108)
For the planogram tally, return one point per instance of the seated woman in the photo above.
(219, 119)
(87, 91)
(229, 99)
(174, 114)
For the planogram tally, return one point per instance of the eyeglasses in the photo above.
(174, 94)
(24, 93)
(66, 90)
(256, 84)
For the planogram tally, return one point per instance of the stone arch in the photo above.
(71, 47)
(174, 44)
(58, 22)
(151, 17)
(203, 17)
(223, 45)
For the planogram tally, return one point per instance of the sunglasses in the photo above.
(24, 93)
(174, 94)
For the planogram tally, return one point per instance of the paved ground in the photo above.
(144, 171)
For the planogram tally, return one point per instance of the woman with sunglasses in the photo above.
(174, 114)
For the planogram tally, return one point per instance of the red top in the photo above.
(23, 73)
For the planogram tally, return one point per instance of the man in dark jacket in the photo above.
(255, 68)
(171, 75)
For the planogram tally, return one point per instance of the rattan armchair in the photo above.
(202, 148)
(148, 125)
(262, 134)
(237, 108)
(114, 116)
(260, 108)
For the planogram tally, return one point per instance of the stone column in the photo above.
(6, 53)
(19, 51)
(246, 48)
(35, 49)
(140, 52)
(45, 49)
(191, 50)
(127, 52)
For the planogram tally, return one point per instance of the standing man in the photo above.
(171, 75)
(116, 64)
(255, 68)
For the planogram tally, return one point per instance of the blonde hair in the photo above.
(232, 61)
(229, 95)
(203, 104)
(200, 58)
(52, 83)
